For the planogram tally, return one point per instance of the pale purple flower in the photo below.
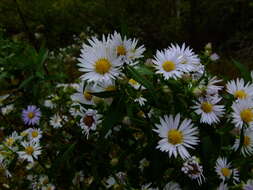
(31, 115)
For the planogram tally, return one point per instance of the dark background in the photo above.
(228, 24)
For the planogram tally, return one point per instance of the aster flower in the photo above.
(167, 63)
(48, 187)
(248, 185)
(89, 120)
(247, 147)
(214, 57)
(84, 95)
(31, 150)
(11, 140)
(99, 64)
(7, 109)
(57, 120)
(34, 134)
(193, 169)
(135, 84)
(225, 171)
(140, 100)
(172, 186)
(126, 49)
(239, 89)
(31, 115)
(211, 87)
(176, 136)
(242, 113)
(208, 109)
(189, 61)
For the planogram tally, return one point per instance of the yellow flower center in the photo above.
(226, 172)
(110, 88)
(10, 141)
(31, 115)
(207, 107)
(88, 120)
(133, 82)
(168, 66)
(34, 134)
(246, 141)
(241, 94)
(175, 136)
(102, 66)
(247, 115)
(121, 50)
(29, 150)
(87, 95)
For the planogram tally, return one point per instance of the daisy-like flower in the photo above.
(89, 120)
(34, 134)
(7, 109)
(141, 101)
(49, 104)
(126, 48)
(242, 113)
(247, 147)
(214, 57)
(135, 84)
(99, 64)
(222, 186)
(31, 150)
(248, 185)
(193, 169)
(11, 140)
(84, 95)
(189, 61)
(57, 121)
(48, 187)
(172, 186)
(75, 109)
(176, 136)
(31, 115)
(239, 89)
(208, 109)
(167, 63)
(224, 170)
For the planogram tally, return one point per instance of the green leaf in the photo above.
(243, 70)
(143, 70)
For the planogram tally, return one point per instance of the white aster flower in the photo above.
(242, 113)
(110, 182)
(126, 48)
(225, 171)
(49, 104)
(214, 57)
(84, 95)
(211, 87)
(141, 101)
(193, 169)
(11, 140)
(57, 120)
(99, 63)
(7, 109)
(222, 186)
(135, 84)
(34, 134)
(239, 89)
(43, 180)
(176, 136)
(75, 109)
(168, 64)
(208, 109)
(31, 150)
(247, 147)
(248, 185)
(48, 187)
(189, 61)
(89, 120)
(172, 186)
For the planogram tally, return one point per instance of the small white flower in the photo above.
(172, 186)
(239, 89)
(141, 101)
(126, 48)
(57, 120)
(225, 171)
(34, 134)
(7, 109)
(11, 140)
(110, 182)
(247, 147)
(89, 120)
(31, 150)
(135, 84)
(176, 136)
(48, 187)
(167, 63)
(208, 109)
(49, 104)
(211, 87)
(242, 113)
(214, 57)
